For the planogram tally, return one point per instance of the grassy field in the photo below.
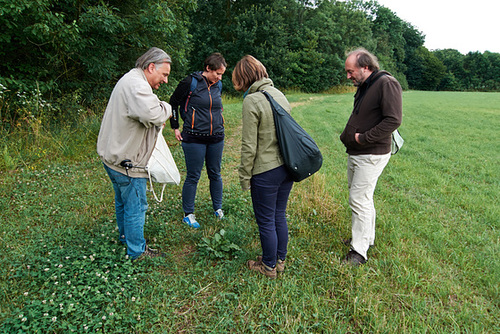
(434, 268)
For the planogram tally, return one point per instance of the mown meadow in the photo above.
(434, 268)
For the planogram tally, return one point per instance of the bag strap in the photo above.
(270, 99)
(194, 84)
(153, 190)
(267, 95)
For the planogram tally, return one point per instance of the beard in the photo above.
(357, 83)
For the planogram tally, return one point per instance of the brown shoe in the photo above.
(280, 264)
(150, 253)
(354, 258)
(262, 268)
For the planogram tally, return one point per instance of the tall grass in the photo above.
(434, 267)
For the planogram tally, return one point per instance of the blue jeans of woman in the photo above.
(130, 209)
(270, 191)
(195, 154)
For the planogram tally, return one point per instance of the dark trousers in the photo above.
(195, 155)
(270, 191)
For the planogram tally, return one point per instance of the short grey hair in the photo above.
(365, 59)
(153, 55)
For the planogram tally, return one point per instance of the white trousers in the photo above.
(363, 172)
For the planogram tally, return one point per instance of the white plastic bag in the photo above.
(396, 142)
(161, 166)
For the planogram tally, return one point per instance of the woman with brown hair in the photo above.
(262, 169)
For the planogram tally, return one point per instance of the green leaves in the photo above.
(218, 247)
(72, 286)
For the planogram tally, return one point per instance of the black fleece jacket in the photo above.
(201, 110)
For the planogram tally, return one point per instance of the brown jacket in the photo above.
(378, 111)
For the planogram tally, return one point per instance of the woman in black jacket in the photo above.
(198, 100)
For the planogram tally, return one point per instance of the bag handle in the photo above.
(153, 190)
(274, 105)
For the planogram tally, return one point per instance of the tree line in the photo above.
(77, 49)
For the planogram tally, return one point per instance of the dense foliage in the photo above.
(80, 47)
(75, 50)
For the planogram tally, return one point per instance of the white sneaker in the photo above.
(219, 213)
(191, 221)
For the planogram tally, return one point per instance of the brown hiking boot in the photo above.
(262, 268)
(280, 264)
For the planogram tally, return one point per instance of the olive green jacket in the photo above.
(259, 145)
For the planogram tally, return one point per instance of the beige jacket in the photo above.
(131, 123)
(259, 145)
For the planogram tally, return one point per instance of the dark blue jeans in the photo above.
(270, 191)
(195, 155)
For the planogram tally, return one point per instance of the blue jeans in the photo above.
(130, 208)
(195, 155)
(270, 191)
